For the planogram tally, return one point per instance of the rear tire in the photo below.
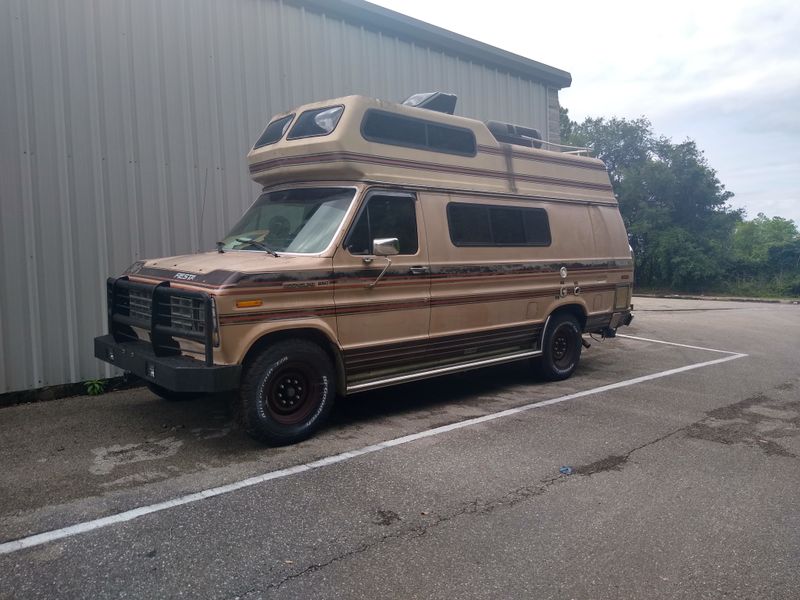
(287, 392)
(561, 348)
(170, 395)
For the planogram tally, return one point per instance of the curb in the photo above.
(66, 390)
(719, 298)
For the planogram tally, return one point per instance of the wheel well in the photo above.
(576, 310)
(309, 334)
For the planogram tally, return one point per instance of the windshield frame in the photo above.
(348, 215)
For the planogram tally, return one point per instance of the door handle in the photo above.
(419, 270)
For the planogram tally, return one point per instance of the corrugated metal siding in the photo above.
(123, 130)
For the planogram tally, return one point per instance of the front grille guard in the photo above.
(159, 321)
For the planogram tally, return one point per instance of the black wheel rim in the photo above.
(291, 393)
(564, 347)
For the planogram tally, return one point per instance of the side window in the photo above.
(469, 224)
(399, 130)
(492, 225)
(387, 128)
(274, 131)
(537, 227)
(318, 121)
(385, 217)
(451, 139)
(507, 228)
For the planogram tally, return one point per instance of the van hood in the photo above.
(214, 269)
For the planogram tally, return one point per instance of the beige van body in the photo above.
(455, 299)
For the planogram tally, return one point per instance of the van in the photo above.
(391, 243)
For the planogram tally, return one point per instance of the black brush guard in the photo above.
(157, 308)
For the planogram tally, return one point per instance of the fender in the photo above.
(562, 303)
(240, 339)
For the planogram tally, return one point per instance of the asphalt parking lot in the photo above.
(683, 481)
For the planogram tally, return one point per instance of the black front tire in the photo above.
(170, 395)
(561, 348)
(287, 392)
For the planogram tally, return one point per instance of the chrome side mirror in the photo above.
(385, 246)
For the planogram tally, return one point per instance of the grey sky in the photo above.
(724, 74)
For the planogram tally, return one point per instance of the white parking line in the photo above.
(129, 515)
(643, 339)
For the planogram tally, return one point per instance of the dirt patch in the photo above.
(738, 410)
(758, 421)
(736, 433)
(106, 459)
(386, 517)
(613, 462)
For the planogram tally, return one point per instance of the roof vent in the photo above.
(436, 101)
(515, 134)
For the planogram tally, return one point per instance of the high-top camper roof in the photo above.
(356, 138)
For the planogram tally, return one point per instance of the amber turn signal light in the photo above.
(248, 303)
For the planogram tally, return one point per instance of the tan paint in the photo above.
(410, 323)
(240, 338)
(586, 229)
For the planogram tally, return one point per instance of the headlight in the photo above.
(188, 315)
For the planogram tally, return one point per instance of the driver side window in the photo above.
(385, 216)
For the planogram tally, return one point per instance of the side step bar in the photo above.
(476, 364)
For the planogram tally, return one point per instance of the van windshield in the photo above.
(302, 220)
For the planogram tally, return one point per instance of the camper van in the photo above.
(391, 243)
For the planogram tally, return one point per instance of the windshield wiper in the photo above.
(266, 249)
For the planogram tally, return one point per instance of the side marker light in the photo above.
(248, 303)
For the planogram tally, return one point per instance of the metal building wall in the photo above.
(123, 130)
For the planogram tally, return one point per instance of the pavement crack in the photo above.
(612, 462)
(746, 416)
(416, 531)
(615, 462)
(472, 507)
(318, 566)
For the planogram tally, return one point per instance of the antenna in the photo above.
(202, 210)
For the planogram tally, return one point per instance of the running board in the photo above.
(476, 364)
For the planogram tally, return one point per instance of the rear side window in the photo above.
(400, 130)
(492, 225)
(391, 129)
(274, 131)
(385, 216)
(451, 139)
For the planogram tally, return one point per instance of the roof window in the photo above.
(400, 130)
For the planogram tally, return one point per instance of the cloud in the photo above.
(726, 75)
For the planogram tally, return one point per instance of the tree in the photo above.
(766, 254)
(674, 206)
(565, 124)
(753, 240)
(620, 143)
(684, 234)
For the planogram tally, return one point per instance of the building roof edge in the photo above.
(383, 19)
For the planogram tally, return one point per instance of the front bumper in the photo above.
(177, 373)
